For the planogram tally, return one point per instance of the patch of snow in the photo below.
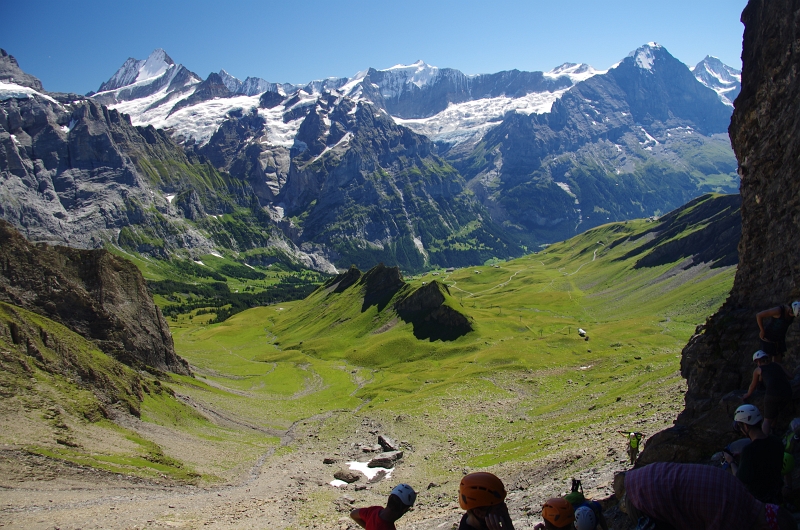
(337, 483)
(419, 73)
(169, 198)
(199, 262)
(155, 65)
(369, 472)
(420, 246)
(215, 253)
(575, 72)
(462, 121)
(15, 91)
(564, 186)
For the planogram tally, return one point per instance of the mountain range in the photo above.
(413, 165)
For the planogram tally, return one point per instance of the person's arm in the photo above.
(354, 515)
(754, 383)
(774, 312)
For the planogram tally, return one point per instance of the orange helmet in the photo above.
(480, 489)
(558, 512)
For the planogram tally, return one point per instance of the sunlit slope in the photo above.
(59, 395)
(522, 380)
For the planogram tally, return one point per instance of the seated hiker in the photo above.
(584, 521)
(634, 443)
(778, 388)
(401, 499)
(761, 462)
(773, 332)
(557, 514)
(483, 496)
(688, 496)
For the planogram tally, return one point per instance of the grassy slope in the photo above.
(522, 389)
(523, 383)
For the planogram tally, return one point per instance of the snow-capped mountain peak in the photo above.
(156, 64)
(229, 81)
(575, 72)
(418, 73)
(718, 76)
(645, 56)
(138, 71)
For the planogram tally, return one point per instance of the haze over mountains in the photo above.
(413, 165)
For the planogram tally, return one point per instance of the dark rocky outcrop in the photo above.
(10, 72)
(92, 292)
(765, 132)
(433, 319)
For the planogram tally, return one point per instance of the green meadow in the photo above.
(522, 388)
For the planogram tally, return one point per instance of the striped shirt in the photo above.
(692, 496)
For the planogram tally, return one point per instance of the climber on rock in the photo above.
(682, 496)
(760, 466)
(778, 388)
(634, 443)
(773, 324)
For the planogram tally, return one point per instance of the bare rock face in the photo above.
(765, 133)
(94, 293)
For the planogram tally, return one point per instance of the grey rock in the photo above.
(347, 476)
(387, 443)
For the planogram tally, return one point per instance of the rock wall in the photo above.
(765, 133)
(92, 292)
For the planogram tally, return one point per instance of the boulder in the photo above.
(348, 476)
(387, 443)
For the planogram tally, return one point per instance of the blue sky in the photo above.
(73, 46)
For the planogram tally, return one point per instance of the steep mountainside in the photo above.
(639, 140)
(766, 137)
(331, 172)
(74, 172)
(92, 292)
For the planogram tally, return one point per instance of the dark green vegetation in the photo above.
(221, 286)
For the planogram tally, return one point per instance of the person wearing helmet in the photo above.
(585, 519)
(577, 499)
(761, 461)
(401, 499)
(483, 496)
(557, 514)
(778, 388)
(688, 496)
(634, 443)
(773, 332)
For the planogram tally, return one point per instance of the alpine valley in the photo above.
(415, 166)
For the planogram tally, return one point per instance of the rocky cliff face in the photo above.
(765, 132)
(92, 292)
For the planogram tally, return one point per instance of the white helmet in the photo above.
(760, 354)
(585, 519)
(796, 308)
(748, 414)
(405, 493)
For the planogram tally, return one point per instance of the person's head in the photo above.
(747, 419)
(585, 519)
(796, 308)
(481, 494)
(558, 513)
(761, 357)
(401, 499)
